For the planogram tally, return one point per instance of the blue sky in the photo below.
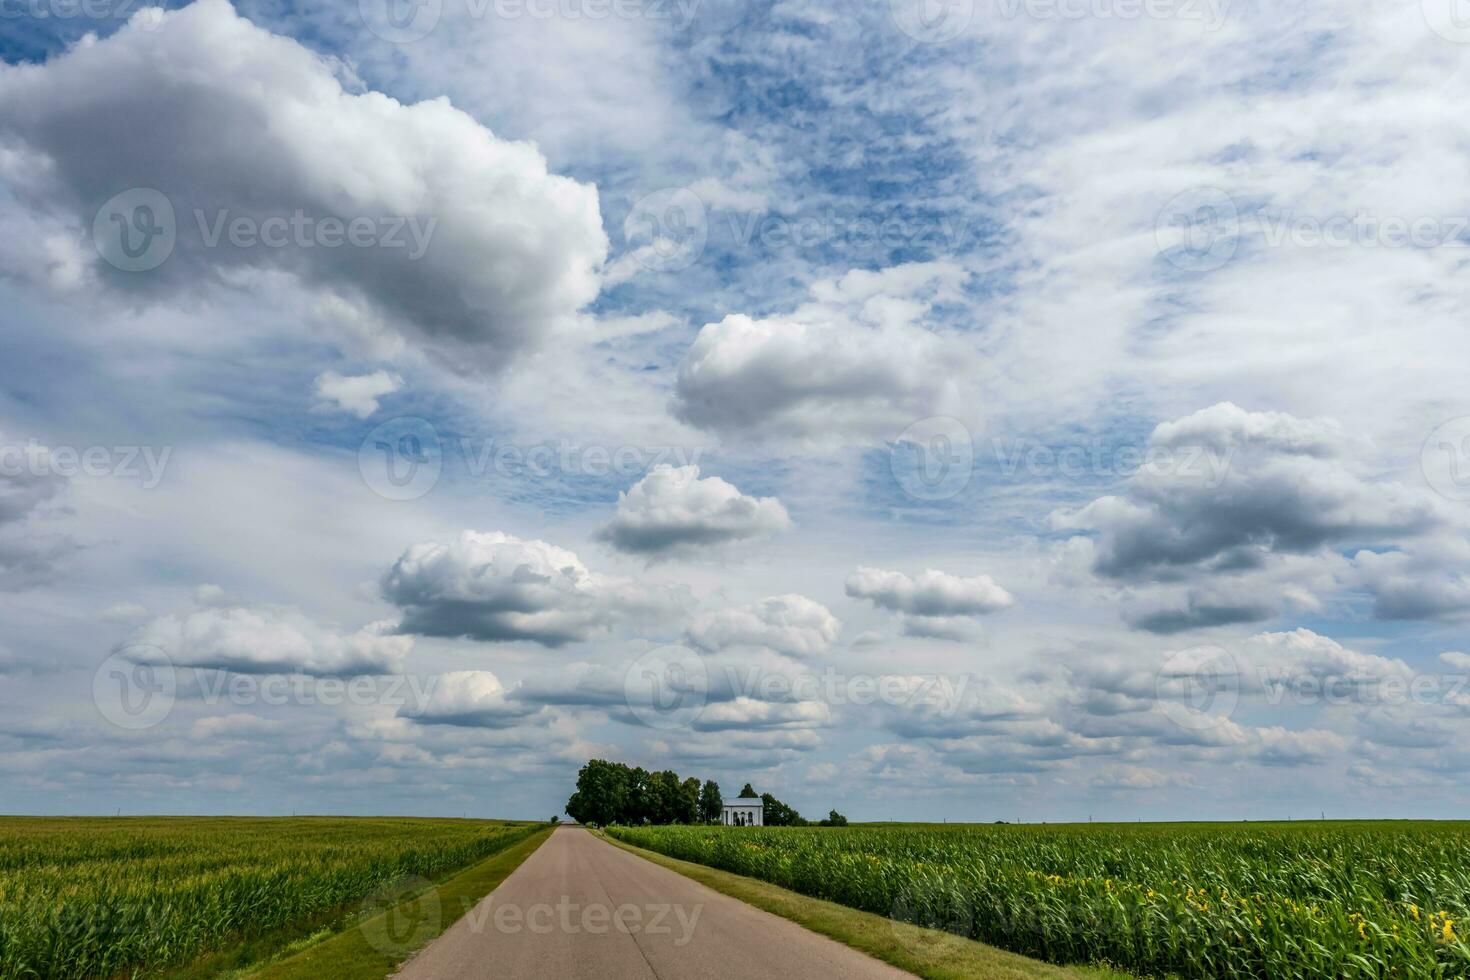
(969, 410)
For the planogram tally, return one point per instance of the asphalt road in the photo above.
(581, 909)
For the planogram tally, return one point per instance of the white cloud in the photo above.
(355, 394)
(474, 249)
(470, 699)
(790, 624)
(493, 586)
(854, 364)
(934, 604)
(268, 641)
(672, 511)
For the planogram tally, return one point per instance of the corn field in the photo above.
(89, 897)
(1328, 900)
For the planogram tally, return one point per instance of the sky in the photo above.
(939, 410)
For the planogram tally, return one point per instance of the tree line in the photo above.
(611, 792)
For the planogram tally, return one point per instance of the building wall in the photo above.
(755, 815)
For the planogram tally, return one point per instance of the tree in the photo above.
(639, 808)
(665, 793)
(778, 814)
(747, 793)
(711, 804)
(834, 819)
(601, 794)
(689, 800)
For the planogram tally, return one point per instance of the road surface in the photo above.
(581, 909)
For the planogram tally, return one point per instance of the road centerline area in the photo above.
(581, 909)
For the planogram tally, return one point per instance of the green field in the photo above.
(89, 897)
(1319, 900)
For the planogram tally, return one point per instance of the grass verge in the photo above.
(374, 947)
(929, 953)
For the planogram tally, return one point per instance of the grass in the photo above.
(1318, 901)
(185, 897)
(378, 944)
(929, 953)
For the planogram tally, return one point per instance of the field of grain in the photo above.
(1319, 900)
(89, 897)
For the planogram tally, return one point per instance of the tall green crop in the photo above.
(1332, 900)
(82, 897)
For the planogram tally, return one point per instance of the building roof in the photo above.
(747, 801)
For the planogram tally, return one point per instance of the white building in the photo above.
(744, 812)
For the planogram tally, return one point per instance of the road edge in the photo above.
(352, 955)
(928, 953)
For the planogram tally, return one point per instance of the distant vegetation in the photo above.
(613, 793)
(102, 897)
(1303, 900)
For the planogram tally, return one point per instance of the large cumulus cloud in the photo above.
(492, 586)
(267, 641)
(933, 604)
(790, 624)
(1235, 487)
(673, 511)
(226, 119)
(857, 362)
